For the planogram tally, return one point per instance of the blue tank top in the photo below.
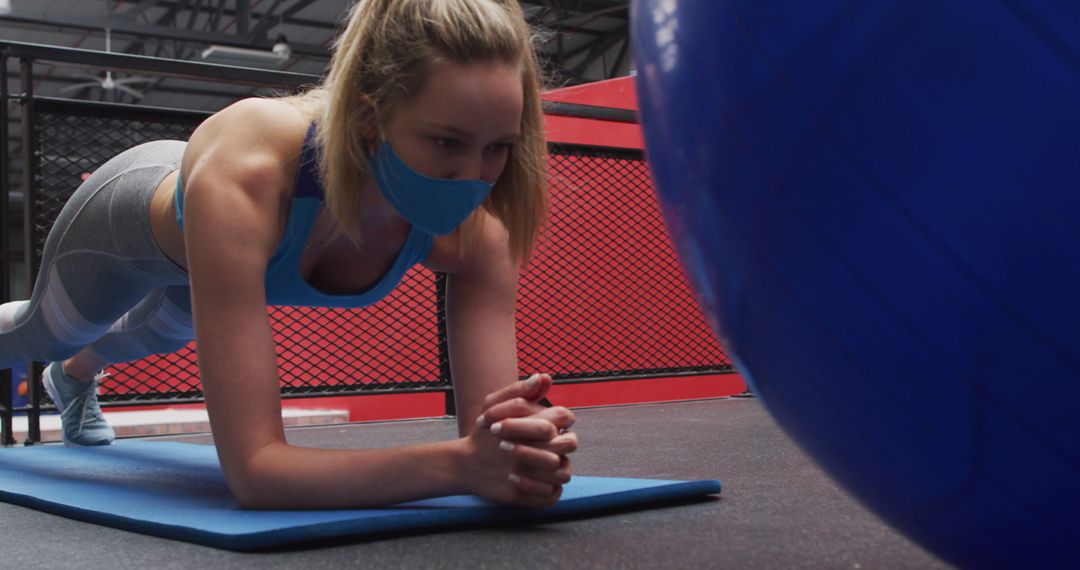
(284, 284)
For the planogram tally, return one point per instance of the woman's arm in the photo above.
(238, 167)
(481, 299)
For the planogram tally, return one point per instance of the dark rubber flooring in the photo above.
(778, 510)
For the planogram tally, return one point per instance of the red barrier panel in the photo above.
(605, 296)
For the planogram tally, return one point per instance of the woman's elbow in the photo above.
(246, 490)
(248, 498)
(252, 483)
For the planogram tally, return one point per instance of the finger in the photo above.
(540, 501)
(525, 429)
(561, 417)
(534, 388)
(560, 476)
(535, 501)
(558, 415)
(531, 492)
(564, 444)
(530, 457)
(512, 408)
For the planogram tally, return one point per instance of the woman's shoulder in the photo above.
(245, 157)
(252, 138)
(259, 122)
(271, 113)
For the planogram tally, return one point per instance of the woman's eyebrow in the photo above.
(466, 135)
(449, 129)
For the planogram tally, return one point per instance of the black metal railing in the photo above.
(604, 298)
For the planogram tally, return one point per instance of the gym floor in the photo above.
(777, 510)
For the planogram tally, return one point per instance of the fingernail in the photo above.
(506, 446)
(496, 428)
(480, 421)
(531, 382)
(514, 478)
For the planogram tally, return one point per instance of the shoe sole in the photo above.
(50, 388)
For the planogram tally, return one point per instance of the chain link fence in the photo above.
(70, 140)
(604, 298)
(391, 346)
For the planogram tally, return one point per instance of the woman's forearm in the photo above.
(282, 476)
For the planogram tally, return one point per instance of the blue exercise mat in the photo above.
(176, 490)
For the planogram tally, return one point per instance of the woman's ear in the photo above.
(369, 124)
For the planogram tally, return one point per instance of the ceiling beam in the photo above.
(587, 46)
(67, 80)
(140, 7)
(580, 6)
(267, 22)
(224, 10)
(243, 18)
(72, 57)
(619, 59)
(598, 48)
(163, 32)
(610, 12)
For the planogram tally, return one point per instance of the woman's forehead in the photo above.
(471, 97)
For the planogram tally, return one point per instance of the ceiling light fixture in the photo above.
(280, 53)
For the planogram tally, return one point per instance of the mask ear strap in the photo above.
(372, 124)
(371, 147)
(382, 141)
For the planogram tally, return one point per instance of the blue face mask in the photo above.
(433, 205)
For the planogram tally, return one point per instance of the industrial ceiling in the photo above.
(581, 41)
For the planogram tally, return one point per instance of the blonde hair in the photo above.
(383, 57)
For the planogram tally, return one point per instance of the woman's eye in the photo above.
(500, 147)
(445, 142)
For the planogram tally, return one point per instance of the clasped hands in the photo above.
(520, 449)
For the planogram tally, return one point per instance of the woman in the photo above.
(423, 145)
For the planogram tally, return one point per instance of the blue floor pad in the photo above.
(176, 490)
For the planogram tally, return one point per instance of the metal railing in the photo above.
(604, 299)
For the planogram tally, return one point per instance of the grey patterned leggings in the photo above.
(104, 283)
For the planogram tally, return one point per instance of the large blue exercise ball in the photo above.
(878, 204)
